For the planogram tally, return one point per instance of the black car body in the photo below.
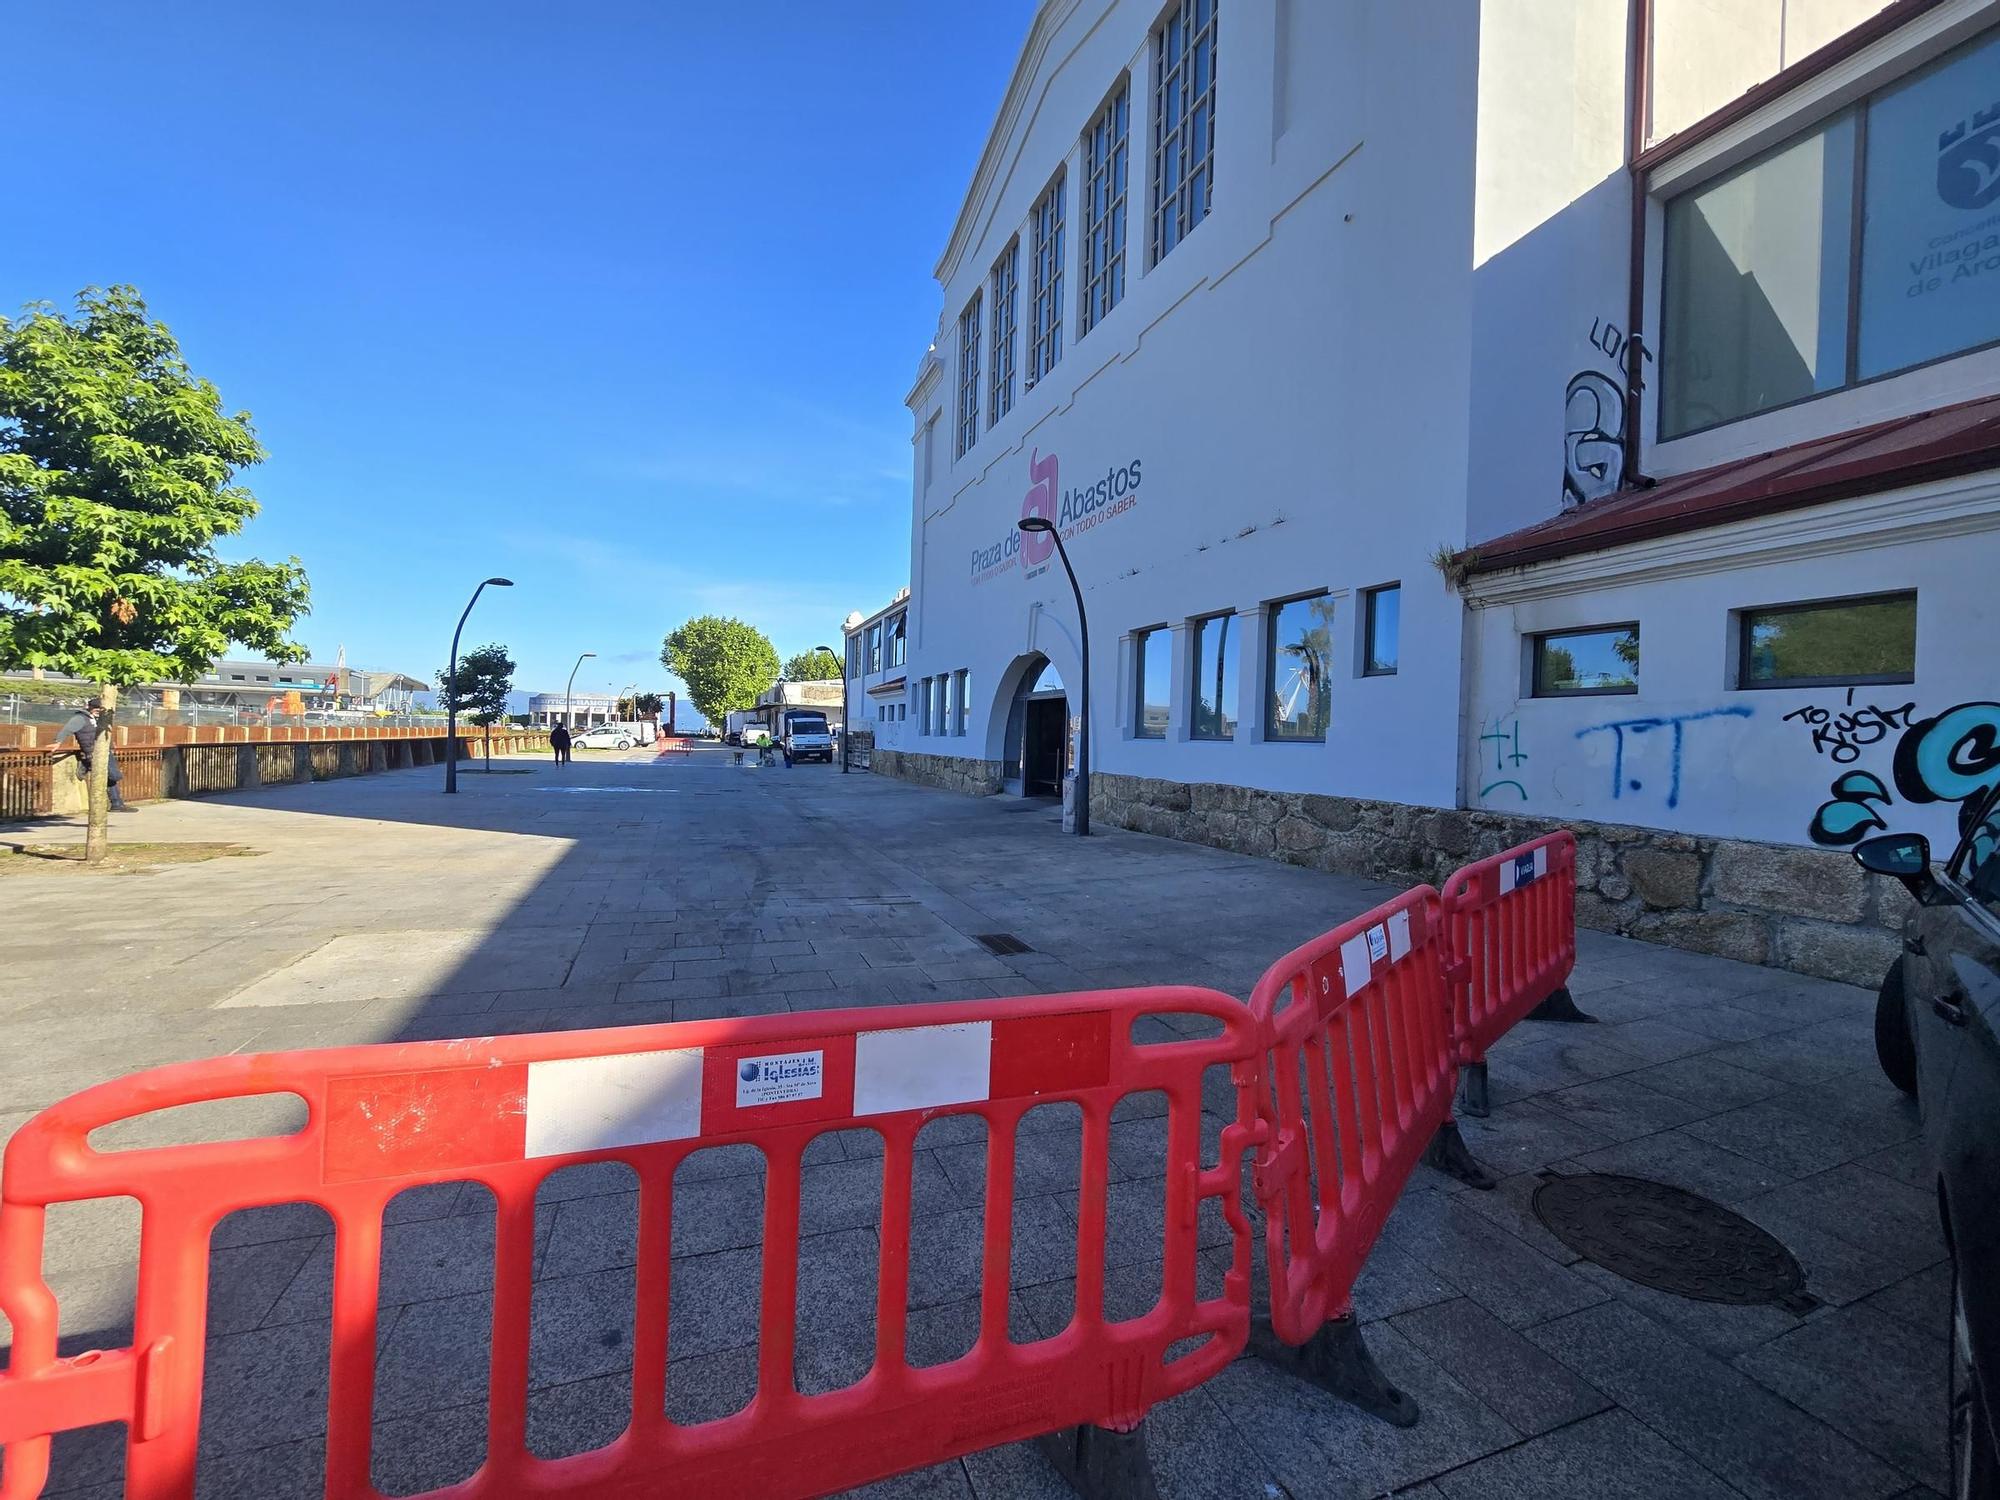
(1938, 1034)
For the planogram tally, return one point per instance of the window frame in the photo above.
(969, 373)
(1197, 629)
(1273, 608)
(1004, 290)
(1743, 617)
(1193, 165)
(1047, 226)
(1140, 638)
(896, 636)
(1851, 379)
(961, 682)
(1538, 639)
(924, 706)
(1104, 283)
(1369, 598)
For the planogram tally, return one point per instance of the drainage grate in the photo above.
(1001, 942)
(1674, 1241)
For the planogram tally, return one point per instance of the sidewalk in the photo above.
(628, 891)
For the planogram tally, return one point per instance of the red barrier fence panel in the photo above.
(1358, 1078)
(507, 1112)
(1512, 923)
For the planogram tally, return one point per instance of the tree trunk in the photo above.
(97, 834)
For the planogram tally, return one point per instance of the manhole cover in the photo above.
(1001, 943)
(1671, 1240)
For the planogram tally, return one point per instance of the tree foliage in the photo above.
(117, 465)
(648, 705)
(816, 665)
(724, 662)
(479, 688)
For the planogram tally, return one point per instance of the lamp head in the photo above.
(501, 583)
(1036, 523)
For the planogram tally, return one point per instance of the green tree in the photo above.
(816, 665)
(117, 465)
(648, 705)
(479, 689)
(724, 663)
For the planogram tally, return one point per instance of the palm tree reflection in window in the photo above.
(1297, 680)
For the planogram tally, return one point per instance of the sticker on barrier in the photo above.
(1358, 1081)
(507, 1113)
(1512, 925)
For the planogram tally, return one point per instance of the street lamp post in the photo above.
(843, 702)
(568, 715)
(1044, 525)
(451, 676)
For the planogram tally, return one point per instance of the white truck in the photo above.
(806, 734)
(744, 725)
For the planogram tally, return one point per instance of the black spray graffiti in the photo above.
(1593, 437)
(1953, 756)
(1505, 738)
(1843, 734)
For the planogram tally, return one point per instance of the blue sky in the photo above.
(617, 299)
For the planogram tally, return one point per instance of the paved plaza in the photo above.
(620, 890)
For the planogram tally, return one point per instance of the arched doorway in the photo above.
(1038, 749)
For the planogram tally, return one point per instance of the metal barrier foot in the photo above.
(1336, 1359)
(1561, 1006)
(1472, 1092)
(1101, 1464)
(1449, 1154)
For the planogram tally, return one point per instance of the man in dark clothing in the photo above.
(82, 726)
(559, 741)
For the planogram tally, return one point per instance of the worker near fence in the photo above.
(559, 742)
(82, 726)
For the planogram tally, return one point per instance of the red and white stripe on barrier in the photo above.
(453, 1119)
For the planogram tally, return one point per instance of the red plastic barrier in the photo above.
(508, 1111)
(1359, 1077)
(1512, 921)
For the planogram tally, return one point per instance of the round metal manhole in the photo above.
(1671, 1240)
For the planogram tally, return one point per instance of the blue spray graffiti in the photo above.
(1678, 723)
(1952, 756)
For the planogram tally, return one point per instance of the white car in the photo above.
(606, 737)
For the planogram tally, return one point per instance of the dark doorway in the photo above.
(1043, 746)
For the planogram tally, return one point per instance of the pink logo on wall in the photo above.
(1037, 547)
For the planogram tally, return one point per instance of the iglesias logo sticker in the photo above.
(779, 1078)
(1073, 511)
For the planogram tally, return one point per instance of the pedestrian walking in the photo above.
(82, 726)
(559, 742)
(786, 746)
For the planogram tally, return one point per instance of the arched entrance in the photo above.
(1038, 749)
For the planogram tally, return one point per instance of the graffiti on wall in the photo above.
(1626, 733)
(1950, 757)
(1843, 733)
(1594, 416)
(1505, 738)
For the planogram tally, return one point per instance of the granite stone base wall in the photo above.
(952, 773)
(1811, 910)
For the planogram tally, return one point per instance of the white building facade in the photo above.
(1412, 510)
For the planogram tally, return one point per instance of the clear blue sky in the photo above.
(618, 299)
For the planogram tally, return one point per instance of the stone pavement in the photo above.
(622, 891)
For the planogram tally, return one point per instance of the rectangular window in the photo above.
(1006, 293)
(943, 703)
(924, 706)
(1382, 611)
(1865, 246)
(1152, 677)
(1575, 663)
(875, 647)
(854, 656)
(968, 375)
(1046, 271)
(1298, 653)
(1105, 149)
(898, 639)
(930, 450)
(1829, 643)
(1214, 696)
(961, 687)
(1183, 122)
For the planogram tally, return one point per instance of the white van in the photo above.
(807, 736)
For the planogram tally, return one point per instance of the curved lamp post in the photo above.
(837, 656)
(1043, 524)
(451, 707)
(568, 686)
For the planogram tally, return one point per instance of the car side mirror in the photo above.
(1903, 856)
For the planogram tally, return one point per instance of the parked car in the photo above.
(606, 737)
(1937, 1035)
